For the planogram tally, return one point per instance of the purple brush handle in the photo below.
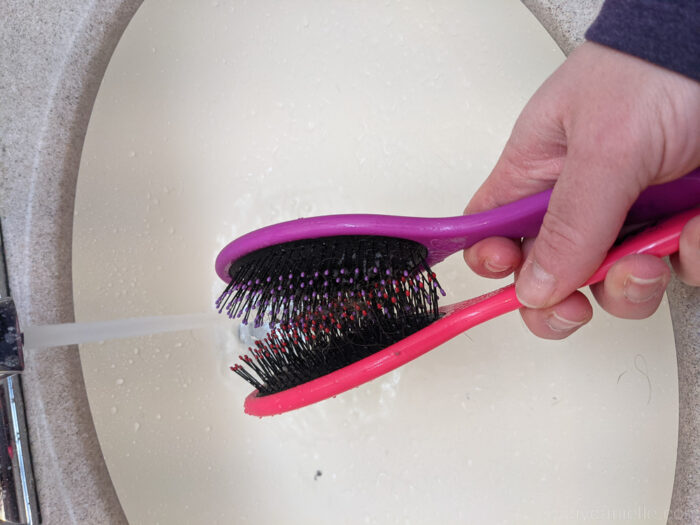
(445, 236)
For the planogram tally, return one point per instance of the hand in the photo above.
(602, 128)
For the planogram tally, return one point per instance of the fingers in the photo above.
(686, 262)
(634, 287)
(495, 257)
(585, 213)
(560, 320)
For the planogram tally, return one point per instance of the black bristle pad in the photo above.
(337, 335)
(285, 281)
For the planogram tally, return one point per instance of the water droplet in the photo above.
(119, 381)
(113, 410)
(137, 425)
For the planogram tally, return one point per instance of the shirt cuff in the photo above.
(665, 32)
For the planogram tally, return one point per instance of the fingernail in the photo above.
(638, 290)
(561, 324)
(495, 267)
(534, 285)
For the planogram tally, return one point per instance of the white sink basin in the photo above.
(214, 119)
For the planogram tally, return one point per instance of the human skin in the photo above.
(602, 128)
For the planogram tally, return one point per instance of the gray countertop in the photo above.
(52, 58)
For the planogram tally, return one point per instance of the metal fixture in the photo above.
(18, 499)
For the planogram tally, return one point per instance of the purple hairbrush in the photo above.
(287, 269)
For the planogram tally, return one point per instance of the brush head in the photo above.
(284, 282)
(340, 333)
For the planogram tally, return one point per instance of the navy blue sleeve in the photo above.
(665, 32)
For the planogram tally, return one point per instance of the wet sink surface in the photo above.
(219, 118)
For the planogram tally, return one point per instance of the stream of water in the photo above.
(47, 336)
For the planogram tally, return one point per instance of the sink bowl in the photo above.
(216, 119)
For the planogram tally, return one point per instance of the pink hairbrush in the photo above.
(660, 241)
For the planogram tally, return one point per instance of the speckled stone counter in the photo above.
(52, 58)
(685, 313)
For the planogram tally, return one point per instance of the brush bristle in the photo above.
(281, 283)
(339, 334)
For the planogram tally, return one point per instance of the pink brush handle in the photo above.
(660, 241)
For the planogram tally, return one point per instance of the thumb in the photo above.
(585, 213)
